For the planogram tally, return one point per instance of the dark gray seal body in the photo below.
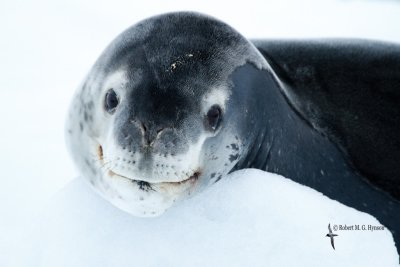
(179, 100)
(347, 95)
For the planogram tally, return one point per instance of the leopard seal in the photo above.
(179, 100)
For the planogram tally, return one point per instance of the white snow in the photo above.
(252, 218)
(46, 49)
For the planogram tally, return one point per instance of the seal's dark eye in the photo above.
(110, 101)
(214, 116)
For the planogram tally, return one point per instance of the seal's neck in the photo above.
(282, 141)
(277, 128)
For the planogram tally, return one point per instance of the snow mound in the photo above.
(251, 218)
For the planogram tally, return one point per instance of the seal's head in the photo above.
(159, 116)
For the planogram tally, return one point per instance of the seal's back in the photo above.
(348, 90)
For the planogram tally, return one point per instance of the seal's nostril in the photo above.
(144, 127)
(148, 140)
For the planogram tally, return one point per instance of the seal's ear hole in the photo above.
(214, 117)
(111, 101)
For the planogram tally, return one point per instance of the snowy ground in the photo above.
(252, 218)
(47, 47)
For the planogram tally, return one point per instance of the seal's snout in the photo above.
(144, 135)
(150, 133)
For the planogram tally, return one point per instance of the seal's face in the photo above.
(152, 143)
(156, 118)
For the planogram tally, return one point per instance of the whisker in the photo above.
(104, 164)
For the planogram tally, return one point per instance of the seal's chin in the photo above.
(142, 198)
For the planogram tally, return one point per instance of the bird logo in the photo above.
(331, 235)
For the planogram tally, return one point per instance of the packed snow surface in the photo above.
(251, 218)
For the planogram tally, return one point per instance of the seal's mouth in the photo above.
(146, 186)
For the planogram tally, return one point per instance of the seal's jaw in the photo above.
(144, 199)
(143, 194)
(138, 191)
